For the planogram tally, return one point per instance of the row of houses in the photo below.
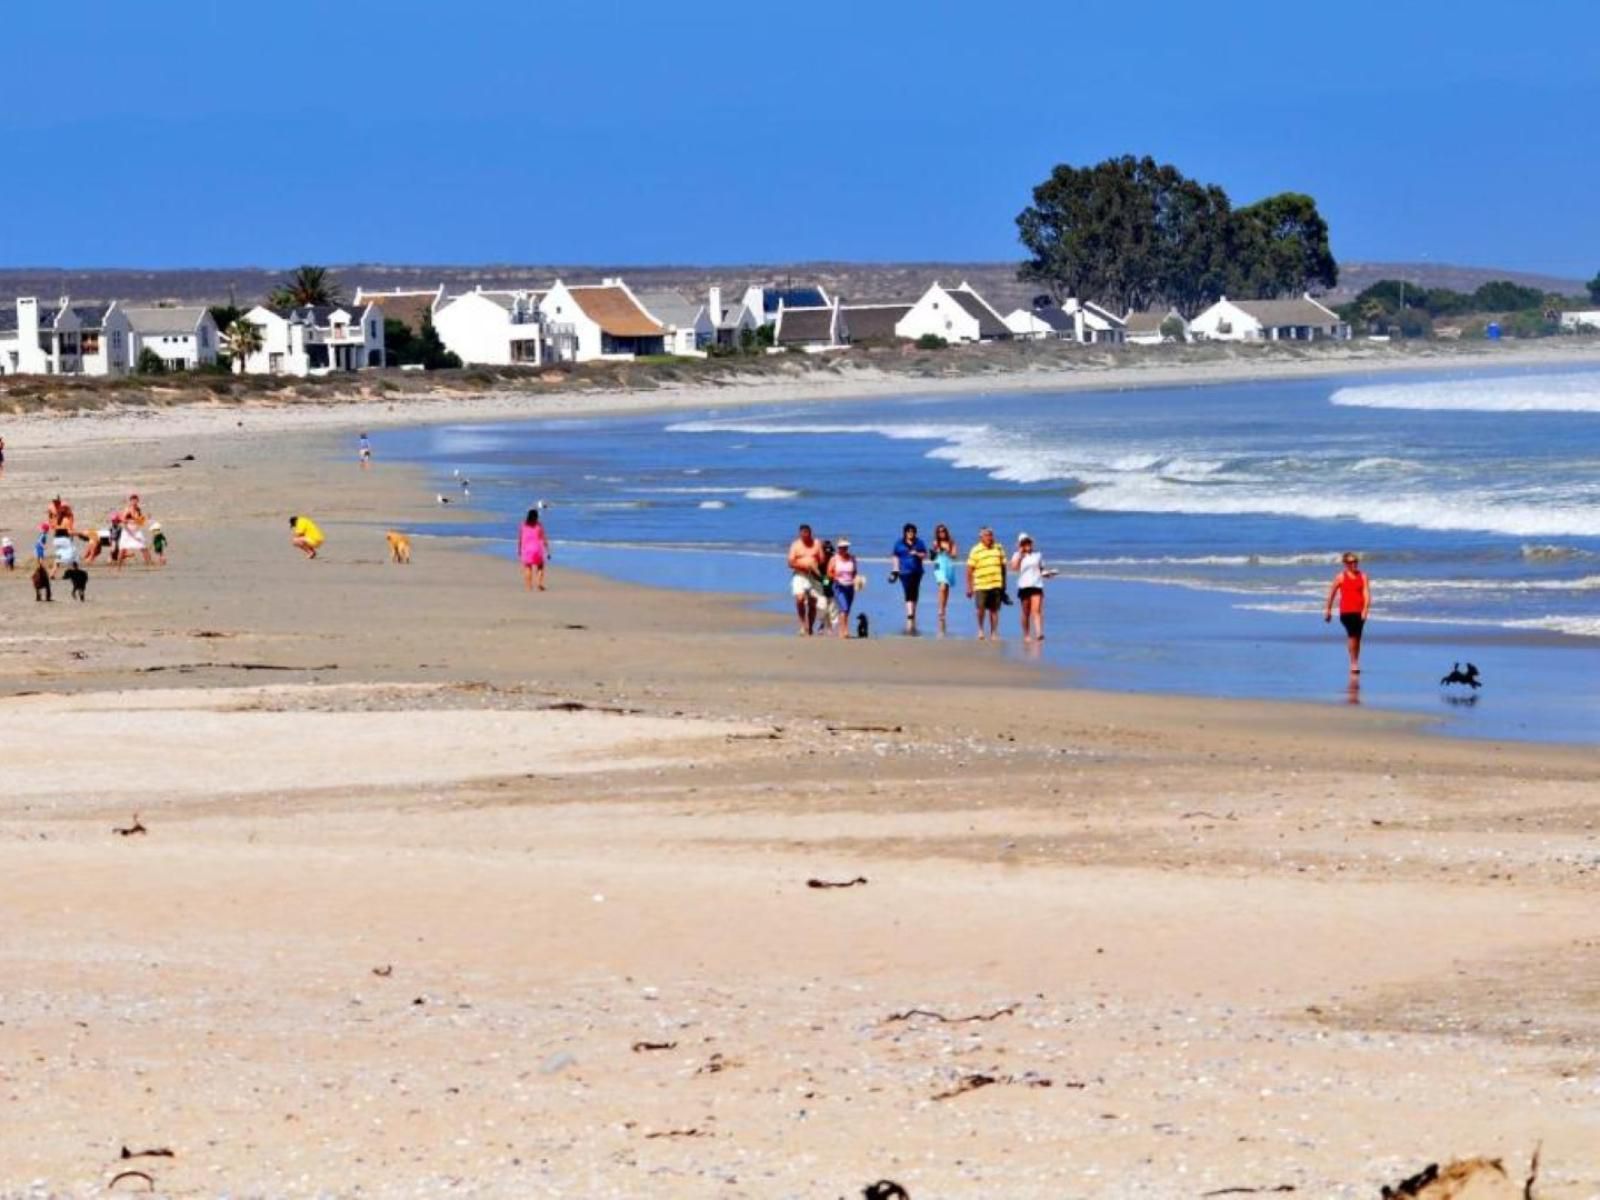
(606, 320)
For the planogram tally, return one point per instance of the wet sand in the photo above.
(426, 857)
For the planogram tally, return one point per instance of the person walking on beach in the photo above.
(1028, 563)
(1354, 592)
(843, 572)
(805, 580)
(533, 550)
(364, 451)
(305, 536)
(986, 581)
(909, 558)
(945, 556)
(132, 536)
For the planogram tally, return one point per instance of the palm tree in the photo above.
(242, 339)
(308, 285)
(1373, 312)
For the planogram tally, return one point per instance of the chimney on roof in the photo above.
(714, 304)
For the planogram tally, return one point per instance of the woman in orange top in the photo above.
(1355, 603)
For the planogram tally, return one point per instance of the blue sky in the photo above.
(618, 131)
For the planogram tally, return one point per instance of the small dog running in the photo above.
(79, 579)
(399, 546)
(1469, 678)
(41, 583)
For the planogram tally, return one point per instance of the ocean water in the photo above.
(1197, 529)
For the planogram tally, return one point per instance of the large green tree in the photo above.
(1594, 288)
(1130, 232)
(307, 285)
(1280, 248)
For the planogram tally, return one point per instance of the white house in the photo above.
(493, 328)
(605, 320)
(1080, 321)
(1302, 320)
(731, 322)
(689, 326)
(316, 339)
(1577, 321)
(956, 314)
(69, 339)
(183, 338)
(1144, 326)
(1028, 326)
(812, 328)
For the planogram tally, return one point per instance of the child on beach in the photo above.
(304, 535)
(533, 549)
(158, 542)
(365, 451)
(41, 543)
(9, 553)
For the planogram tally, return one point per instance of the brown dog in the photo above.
(399, 546)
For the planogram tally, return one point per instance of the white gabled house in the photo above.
(1028, 326)
(69, 339)
(182, 337)
(956, 314)
(603, 320)
(1080, 321)
(689, 326)
(494, 328)
(316, 339)
(1145, 326)
(731, 322)
(1302, 320)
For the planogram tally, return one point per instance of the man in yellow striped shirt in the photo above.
(986, 580)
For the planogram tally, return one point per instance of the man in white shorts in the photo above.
(805, 584)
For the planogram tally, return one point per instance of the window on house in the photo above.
(372, 329)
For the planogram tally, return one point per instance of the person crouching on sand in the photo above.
(304, 536)
(1354, 591)
(533, 549)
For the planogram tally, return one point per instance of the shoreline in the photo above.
(853, 382)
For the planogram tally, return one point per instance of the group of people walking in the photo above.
(825, 578)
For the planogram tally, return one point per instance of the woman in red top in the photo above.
(1355, 603)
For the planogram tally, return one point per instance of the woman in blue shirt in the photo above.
(910, 554)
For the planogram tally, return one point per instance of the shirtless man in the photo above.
(805, 584)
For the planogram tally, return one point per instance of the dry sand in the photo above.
(426, 858)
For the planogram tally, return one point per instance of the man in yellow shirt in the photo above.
(986, 580)
(305, 536)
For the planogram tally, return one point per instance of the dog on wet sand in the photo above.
(41, 583)
(1470, 677)
(79, 579)
(863, 627)
(399, 546)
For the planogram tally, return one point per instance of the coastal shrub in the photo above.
(1172, 329)
(149, 363)
(931, 341)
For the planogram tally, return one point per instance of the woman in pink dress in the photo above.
(533, 549)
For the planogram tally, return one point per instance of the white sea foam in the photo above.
(713, 504)
(1522, 393)
(1573, 625)
(770, 493)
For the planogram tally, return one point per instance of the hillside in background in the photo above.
(855, 282)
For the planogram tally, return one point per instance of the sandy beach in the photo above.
(347, 878)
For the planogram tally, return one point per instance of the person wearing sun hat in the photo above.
(844, 570)
(1029, 566)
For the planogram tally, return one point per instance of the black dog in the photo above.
(1469, 677)
(885, 1189)
(41, 583)
(79, 579)
(863, 629)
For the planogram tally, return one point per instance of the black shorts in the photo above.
(911, 585)
(1029, 593)
(988, 599)
(1353, 623)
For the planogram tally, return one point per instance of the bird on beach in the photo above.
(442, 498)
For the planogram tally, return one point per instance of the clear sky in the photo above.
(161, 133)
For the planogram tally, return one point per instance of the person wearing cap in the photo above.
(844, 573)
(986, 581)
(158, 542)
(1028, 563)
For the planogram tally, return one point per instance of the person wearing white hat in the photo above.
(1029, 566)
(844, 572)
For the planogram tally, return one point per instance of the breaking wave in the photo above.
(1523, 393)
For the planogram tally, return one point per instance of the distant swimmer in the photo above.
(1354, 592)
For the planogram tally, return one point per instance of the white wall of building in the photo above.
(937, 313)
(559, 308)
(282, 345)
(1225, 321)
(1584, 319)
(481, 330)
